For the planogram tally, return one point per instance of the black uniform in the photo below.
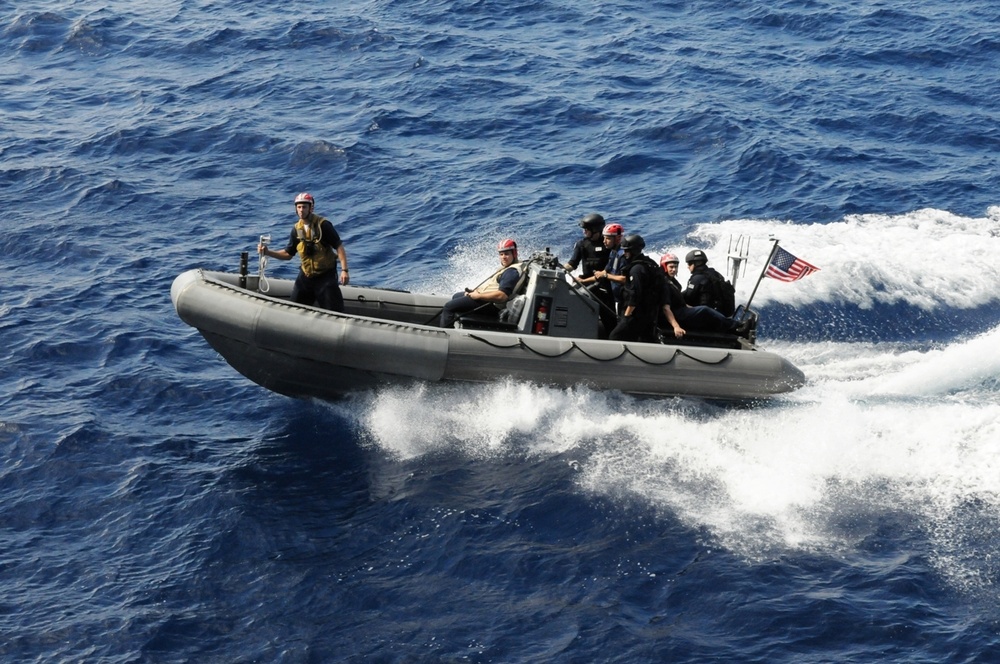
(590, 255)
(699, 318)
(701, 288)
(643, 290)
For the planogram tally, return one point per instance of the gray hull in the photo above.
(384, 339)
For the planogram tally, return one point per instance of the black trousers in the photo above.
(461, 303)
(634, 328)
(323, 290)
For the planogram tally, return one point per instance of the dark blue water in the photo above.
(158, 507)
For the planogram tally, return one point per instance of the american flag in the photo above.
(786, 267)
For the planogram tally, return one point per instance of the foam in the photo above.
(880, 431)
(925, 258)
(815, 470)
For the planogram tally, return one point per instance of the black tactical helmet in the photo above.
(633, 243)
(592, 222)
(696, 256)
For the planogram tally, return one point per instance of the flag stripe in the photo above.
(786, 267)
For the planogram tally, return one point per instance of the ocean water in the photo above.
(158, 507)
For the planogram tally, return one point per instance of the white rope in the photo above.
(262, 284)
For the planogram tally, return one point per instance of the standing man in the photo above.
(496, 289)
(609, 280)
(592, 253)
(589, 251)
(643, 295)
(318, 245)
(611, 277)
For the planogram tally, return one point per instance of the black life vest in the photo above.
(723, 293)
(595, 258)
(654, 282)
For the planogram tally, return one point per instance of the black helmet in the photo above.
(592, 222)
(696, 256)
(633, 243)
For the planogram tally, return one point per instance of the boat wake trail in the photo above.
(925, 259)
(954, 369)
(885, 440)
(897, 438)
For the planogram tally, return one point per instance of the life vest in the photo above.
(492, 283)
(707, 286)
(616, 261)
(595, 258)
(316, 256)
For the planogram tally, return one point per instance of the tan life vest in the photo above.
(316, 257)
(492, 283)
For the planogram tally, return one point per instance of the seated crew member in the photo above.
(643, 295)
(701, 287)
(318, 245)
(671, 295)
(700, 318)
(495, 290)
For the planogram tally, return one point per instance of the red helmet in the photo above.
(668, 258)
(614, 230)
(507, 245)
(305, 197)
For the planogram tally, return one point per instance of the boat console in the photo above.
(545, 303)
(549, 302)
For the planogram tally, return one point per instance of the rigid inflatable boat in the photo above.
(547, 334)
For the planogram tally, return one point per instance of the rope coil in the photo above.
(263, 285)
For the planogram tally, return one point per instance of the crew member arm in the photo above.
(494, 296)
(331, 238)
(575, 259)
(610, 276)
(345, 277)
(634, 290)
(281, 254)
(507, 283)
(678, 330)
(672, 297)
